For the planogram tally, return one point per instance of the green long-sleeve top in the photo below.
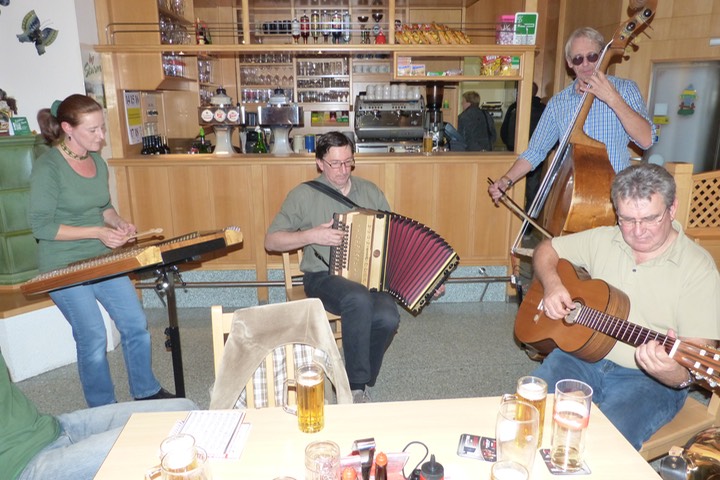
(59, 196)
(23, 430)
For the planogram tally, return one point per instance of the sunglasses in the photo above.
(578, 60)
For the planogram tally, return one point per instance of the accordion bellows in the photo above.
(390, 253)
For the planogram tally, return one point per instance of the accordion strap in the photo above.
(331, 192)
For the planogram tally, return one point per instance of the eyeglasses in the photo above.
(647, 222)
(338, 165)
(578, 60)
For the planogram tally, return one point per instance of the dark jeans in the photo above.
(369, 322)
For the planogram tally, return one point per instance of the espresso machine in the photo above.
(223, 116)
(433, 124)
(280, 116)
(385, 125)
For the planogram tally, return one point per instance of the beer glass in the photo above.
(508, 470)
(516, 431)
(309, 386)
(571, 412)
(180, 465)
(322, 461)
(180, 460)
(427, 142)
(533, 390)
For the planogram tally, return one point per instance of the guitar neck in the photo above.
(704, 362)
(620, 329)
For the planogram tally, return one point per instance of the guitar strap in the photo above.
(331, 192)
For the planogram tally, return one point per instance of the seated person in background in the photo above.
(369, 319)
(475, 125)
(71, 446)
(672, 284)
(507, 134)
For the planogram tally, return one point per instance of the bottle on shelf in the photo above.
(346, 33)
(325, 22)
(315, 25)
(336, 27)
(203, 144)
(305, 27)
(260, 146)
(295, 29)
(145, 145)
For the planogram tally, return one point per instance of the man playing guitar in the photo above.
(672, 285)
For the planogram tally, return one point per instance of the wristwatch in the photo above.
(508, 180)
(688, 382)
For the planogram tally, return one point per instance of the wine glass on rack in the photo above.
(377, 15)
(364, 34)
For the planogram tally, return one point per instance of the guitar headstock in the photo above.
(644, 11)
(703, 362)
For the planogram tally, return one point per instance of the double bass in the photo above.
(575, 191)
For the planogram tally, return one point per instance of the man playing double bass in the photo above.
(672, 285)
(618, 114)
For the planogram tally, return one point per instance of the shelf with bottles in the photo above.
(450, 68)
(371, 24)
(325, 106)
(275, 59)
(260, 96)
(323, 66)
(330, 118)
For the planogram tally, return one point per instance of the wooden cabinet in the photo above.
(18, 251)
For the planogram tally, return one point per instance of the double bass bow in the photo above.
(575, 191)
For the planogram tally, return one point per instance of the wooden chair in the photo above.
(297, 347)
(291, 268)
(691, 419)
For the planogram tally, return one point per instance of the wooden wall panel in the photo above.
(182, 194)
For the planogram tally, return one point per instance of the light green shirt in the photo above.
(680, 289)
(59, 196)
(305, 208)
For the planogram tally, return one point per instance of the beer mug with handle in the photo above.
(309, 385)
(516, 431)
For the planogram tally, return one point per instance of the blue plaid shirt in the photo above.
(602, 124)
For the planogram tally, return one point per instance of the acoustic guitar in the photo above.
(598, 321)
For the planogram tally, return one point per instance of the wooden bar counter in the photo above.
(446, 191)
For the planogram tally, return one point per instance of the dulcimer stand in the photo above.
(167, 275)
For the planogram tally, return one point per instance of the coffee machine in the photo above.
(433, 124)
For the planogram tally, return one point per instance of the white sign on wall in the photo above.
(133, 116)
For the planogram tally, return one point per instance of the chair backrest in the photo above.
(259, 340)
(690, 420)
(291, 270)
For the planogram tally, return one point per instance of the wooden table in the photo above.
(275, 446)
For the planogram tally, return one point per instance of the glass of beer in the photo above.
(508, 470)
(516, 431)
(571, 412)
(427, 142)
(533, 390)
(309, 386)
(186, 465)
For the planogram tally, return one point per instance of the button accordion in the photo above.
(390, 253)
